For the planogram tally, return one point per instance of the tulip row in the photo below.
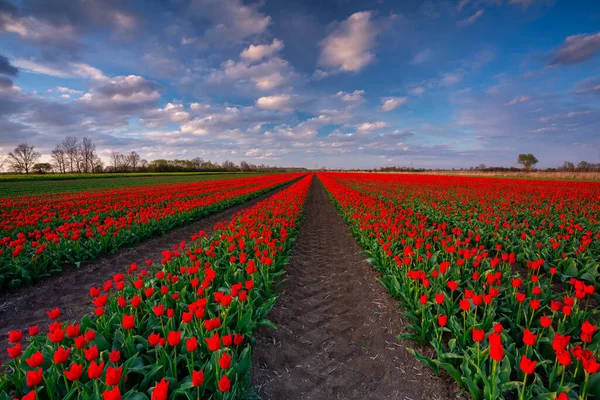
(180, 329)
(41, 234)
(501, 325)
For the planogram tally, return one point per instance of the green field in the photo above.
(27, 185)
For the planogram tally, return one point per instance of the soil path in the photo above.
(336, 325)
(69, 290)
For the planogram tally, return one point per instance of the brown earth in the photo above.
(69, 290)
(336, 325)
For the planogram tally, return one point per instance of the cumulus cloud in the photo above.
(61, 23)
(517, 100)
(471, 19)
(120, 97)
(258, 52)
(349, 48)
(232, 20)
(354, 99)
(171, 112)
(267, 75)
(280, 102)
(393, 103)
(368, 127)
(576, 49)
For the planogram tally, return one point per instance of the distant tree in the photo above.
(133, 160)
(59, 159)
(527, 160)
(567, 166)
(144, 164)
(198, 162)
(229, 165)
(23, 157)
(70, 145)
(42, 168)
(583, 166)
(87, 154)
(244, 166)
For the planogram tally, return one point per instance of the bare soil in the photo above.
(69, 290)
(337, 327)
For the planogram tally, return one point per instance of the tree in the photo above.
(229, 165)
(59, 159)
(70, 145)
(87, 153)
(583, 166)
(567, 166)
(42, 168)
(23, 158)
(527, 161)
(133, 160)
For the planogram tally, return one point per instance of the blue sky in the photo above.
(337, 83)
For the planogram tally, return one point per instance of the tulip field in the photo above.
(498, 280)
(498, 276)
(40, 234)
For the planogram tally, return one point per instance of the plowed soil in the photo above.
(336, 325)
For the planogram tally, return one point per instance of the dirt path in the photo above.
(337, 326)
(69, 290)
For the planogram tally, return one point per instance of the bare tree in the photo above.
(70, 145)
(115, 160)
(133, 160)
(229, 165)
(23, 158)
(87, 150)
(144, 163)
(97, 164)
(244, 166)
(197, 162)
(59, 159)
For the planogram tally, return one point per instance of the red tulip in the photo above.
(95, 370)
(527, 365)
(113, 375)
(197, 378)
(174, 338)
(161, 390)
(74, 372)
(225, 361)
(224, 384)
(34, 377)
(128, 322)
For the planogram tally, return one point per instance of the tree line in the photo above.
(78, 156)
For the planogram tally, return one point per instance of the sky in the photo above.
(327, 83)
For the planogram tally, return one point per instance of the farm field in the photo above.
(496, 279)
(41, 234)
(19, 185)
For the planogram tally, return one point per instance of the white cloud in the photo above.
(265, 76)
(517, 100)
(392, 103)
(278, 102)
(368, 127)
(349, 47)
(417, 91)
(70, 70)
(471, 19)
(36, 30)
(257, 52)
(355, 98)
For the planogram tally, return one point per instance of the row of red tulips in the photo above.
(178, 328)
(41, 234)
(502, 325)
